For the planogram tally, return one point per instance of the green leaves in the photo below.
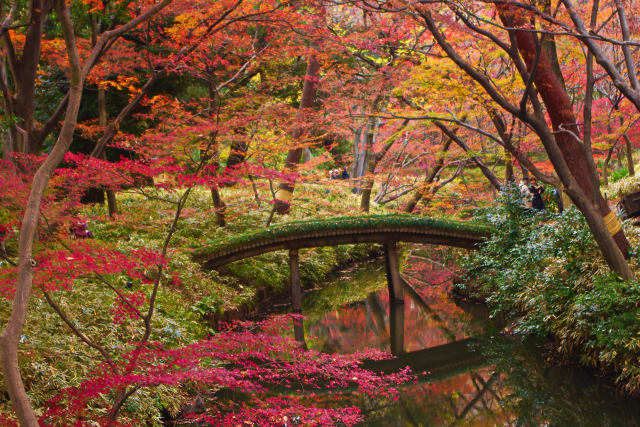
(546, 270)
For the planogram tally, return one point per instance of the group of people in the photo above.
(531, 194)
(337, 174)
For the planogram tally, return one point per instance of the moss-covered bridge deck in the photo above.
(340, 231)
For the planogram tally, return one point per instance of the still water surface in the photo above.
(474, 375)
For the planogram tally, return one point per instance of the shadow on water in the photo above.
(468, 373)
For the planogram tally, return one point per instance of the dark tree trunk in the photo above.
(112, 202)
(563, 120)
(237, 155)
(508, 167)
(218, 206)
(25, 69)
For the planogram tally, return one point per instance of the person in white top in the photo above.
(525, 194)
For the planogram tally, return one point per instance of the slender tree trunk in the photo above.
(218, 206)
(628, 147)
(630, 165)
(10, 138)
(237, 155)
(605, 166)
(11, 335)
(12, 332)
(356, 153)
(112, 202)
(372, 159)
(508, 167)
(110, 132)
(7, 147)
(309, 90)
(619, 154)
(429, 177)
(365, 199)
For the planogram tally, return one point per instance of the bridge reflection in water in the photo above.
(465, 376)
(504, 382)
(433, 363)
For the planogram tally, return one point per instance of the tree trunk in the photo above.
(372, 159)
(284, 194)
(112, 202)
(10, 337)
(630, 165)
(370, 162)
(110, 132)
(237, 155)
(25, 76)
(218, 206)
(429, 177)
(508, 167)
(567, 161)
(564, 123)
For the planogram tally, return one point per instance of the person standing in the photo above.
(536, 191)
(345, 173)
(525, 194)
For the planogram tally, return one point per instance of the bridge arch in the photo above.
(384, 229)
(340, 231)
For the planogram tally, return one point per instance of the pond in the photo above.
(470, 373)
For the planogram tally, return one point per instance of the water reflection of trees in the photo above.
(516, 387)
(430, 317)
(522, 392)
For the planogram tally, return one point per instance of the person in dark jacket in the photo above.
(536, 193)
(345, 174)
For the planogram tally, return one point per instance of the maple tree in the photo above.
(534, 95)
(56, 270)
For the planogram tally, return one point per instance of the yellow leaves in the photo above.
(122, 83)
(183, 24)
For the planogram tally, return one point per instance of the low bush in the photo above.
(545, 270)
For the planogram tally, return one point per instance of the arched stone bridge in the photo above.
(385, 229)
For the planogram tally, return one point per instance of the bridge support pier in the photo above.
(393, 272)
(396, 327)
(296, 294)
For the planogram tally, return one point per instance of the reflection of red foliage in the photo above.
(367, 324)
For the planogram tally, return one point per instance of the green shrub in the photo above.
(546, 270)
